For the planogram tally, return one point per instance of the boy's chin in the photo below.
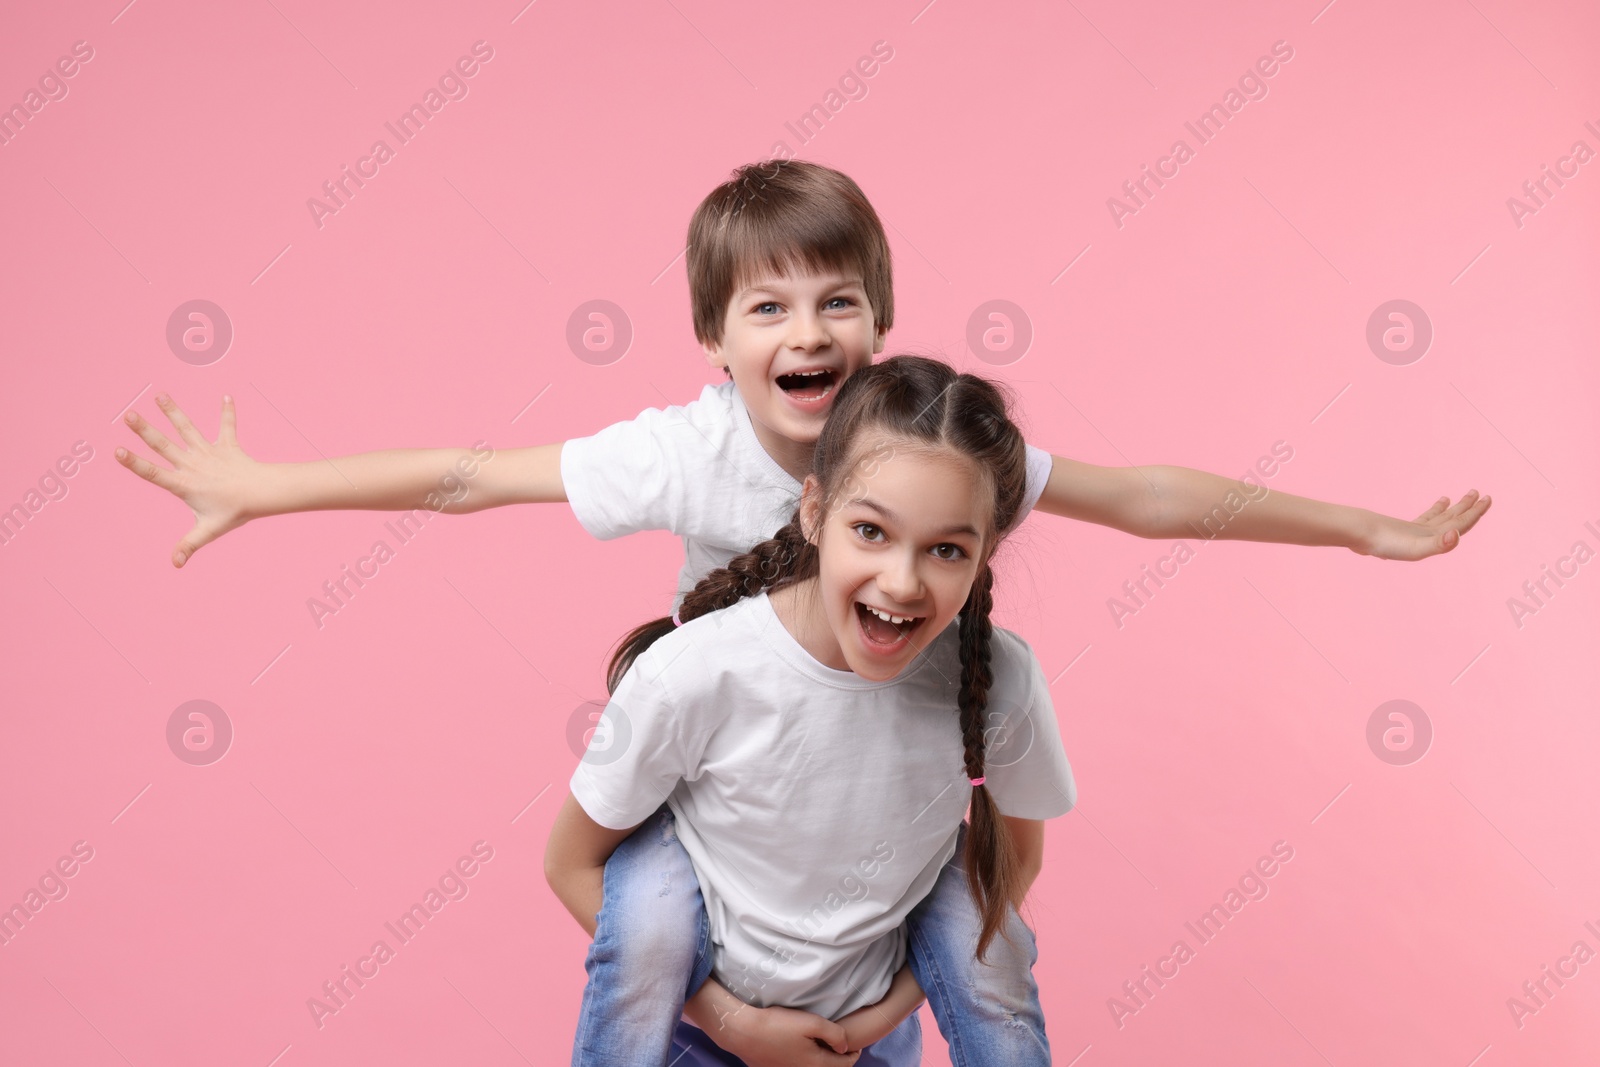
(802, 427)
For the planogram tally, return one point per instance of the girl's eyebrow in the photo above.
(948, 531)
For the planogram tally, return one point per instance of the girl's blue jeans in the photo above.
(652, 951)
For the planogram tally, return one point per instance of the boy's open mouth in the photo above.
(808, 386)
(885, 632)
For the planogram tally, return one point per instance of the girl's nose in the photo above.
(901, 582)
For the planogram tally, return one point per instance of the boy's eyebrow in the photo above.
(775, 285)
(960, 528)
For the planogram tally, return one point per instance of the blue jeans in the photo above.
(652, 932)
(988, 1012)
(651, 951)
(901, 1048)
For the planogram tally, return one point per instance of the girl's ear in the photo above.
(811, 508)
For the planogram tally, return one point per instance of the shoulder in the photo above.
(1016, 670)
(1007, 649)
(714, 405)
(704, 655)
(660, 435)
(1018, 681)
(1018, 677)
(1011, 647)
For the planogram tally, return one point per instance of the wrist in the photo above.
(726, 1019)
(271, 493)
(1362, 532)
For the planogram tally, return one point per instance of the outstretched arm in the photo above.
(1177, 502)
(225, 488)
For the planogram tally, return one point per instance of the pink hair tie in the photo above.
(675, 620)
(976, 782)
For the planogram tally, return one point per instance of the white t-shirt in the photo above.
(817, 807)
(700, 472)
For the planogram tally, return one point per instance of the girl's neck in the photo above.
(799, 608)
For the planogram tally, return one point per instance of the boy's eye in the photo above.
(868, 532)
(838, 303)
(769, 308)
(948, 551)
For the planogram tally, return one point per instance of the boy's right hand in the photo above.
(215, 478)
(785, 1037)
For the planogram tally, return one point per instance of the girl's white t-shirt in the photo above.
(817, 807)
(700, 472)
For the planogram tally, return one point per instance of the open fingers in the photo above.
(225, 433)
(1469, 498)
(153, 437)
(150, 472)
(180, 421)
(1470, 517)
(1435, 511)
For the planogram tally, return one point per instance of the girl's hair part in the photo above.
(921, 402)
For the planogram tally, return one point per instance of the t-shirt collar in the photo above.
(747, 432)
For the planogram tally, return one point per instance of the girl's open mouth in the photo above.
(883, 632)
(808, 387)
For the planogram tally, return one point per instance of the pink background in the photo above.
(1230, 713)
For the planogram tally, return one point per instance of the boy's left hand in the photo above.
(1436, 530)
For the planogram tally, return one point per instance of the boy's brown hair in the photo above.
(777, 215)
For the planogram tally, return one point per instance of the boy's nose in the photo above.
(807, 333)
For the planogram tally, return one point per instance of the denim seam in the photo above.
(928, 959)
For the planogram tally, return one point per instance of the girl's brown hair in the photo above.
(925, 403)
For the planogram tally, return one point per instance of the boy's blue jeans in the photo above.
(652, 952)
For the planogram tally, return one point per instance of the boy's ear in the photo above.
(714, 355)
(877, 342)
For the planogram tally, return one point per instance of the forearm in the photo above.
(1198, 504)
(401, 479)
(712, 1007)
(904, 997)
(580, 890)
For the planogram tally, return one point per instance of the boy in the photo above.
(790, 282)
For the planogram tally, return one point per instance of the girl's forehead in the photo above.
(918, 482)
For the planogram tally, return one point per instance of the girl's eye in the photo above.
(948, 551)
(769, 308)
(868, 532)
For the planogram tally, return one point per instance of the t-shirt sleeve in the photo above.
(641, 747)
(1040, 463)
(626, 478)
(1025, 764)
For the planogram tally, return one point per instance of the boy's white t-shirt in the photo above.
(699, 471)
(817, 807)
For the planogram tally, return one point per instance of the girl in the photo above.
(818, 724)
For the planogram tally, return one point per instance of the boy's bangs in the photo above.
(758, 256)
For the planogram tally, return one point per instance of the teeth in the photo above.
(808, 373)
(886, 617)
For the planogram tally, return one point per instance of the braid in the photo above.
(976, 676)
(784, 558)
(748, 574)
(991, 855)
